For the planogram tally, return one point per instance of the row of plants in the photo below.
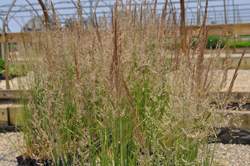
(214, 42)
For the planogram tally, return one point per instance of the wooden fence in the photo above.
(236, 29)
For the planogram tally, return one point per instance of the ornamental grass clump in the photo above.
(118, 94)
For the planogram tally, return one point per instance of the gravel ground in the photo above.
(10, 148)
(225, 155)
(242, 82)
(231, 155)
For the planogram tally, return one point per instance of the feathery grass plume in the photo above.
(119, 94)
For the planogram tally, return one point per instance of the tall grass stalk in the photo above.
(112, 95)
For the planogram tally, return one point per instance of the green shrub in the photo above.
(215, 42)
(17, 70)
(239, 44)
(2, 65)
(220, 42)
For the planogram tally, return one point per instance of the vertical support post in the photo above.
(8, 116)
(225, 11)
(198, 12)
(238, 14)
(2, 44)
(234, 12)
(183, 26)
(2, 50)
(215, 16)
(91, 10)
(5, 53)
(5, 48)
(80, 13)
(45, 13)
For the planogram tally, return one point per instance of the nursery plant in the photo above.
(119, 93)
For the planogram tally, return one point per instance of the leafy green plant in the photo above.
(239, 44)
(215, 42)
(2, 65)
(17, 70)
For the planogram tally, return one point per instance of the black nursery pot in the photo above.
(231, 136)
(27, 161)
(2, 77)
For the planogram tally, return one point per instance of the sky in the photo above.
(22, 12)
